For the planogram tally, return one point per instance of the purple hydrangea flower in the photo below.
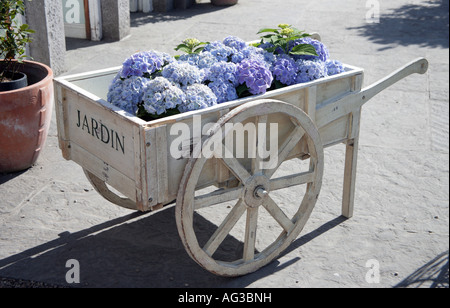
(334, 67)
(285, 70)
(162, 95)
(321, 49)
(256, 76)
(198, 96)
(127, 93)
(143, 63)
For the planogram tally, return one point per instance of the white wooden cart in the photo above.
(129, 161)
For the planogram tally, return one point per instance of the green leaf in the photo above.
(304, 50)
(184, 49)
(198, 50)
(181, 46)
(241, 90)
(274, 39)
(268, 30)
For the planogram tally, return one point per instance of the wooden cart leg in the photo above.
(348, 197)
(351, 158)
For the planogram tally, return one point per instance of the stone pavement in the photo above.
(50, 213)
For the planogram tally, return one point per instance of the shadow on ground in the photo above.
(433, 274)
(139, 19)
(412, 24)
(137, 250)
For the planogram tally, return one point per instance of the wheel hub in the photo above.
(256, 190)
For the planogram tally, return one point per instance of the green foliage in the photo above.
(191, 46)
(14, 38)
(281, 37)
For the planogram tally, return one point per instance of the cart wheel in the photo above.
(254, 191)
(101, 187)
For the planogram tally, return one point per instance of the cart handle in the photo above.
(418, 66)
(334, 110)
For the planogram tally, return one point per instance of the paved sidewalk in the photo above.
(50, 213)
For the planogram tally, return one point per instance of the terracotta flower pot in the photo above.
(224, 2)
(25, 116)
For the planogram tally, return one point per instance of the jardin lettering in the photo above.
(101, 132)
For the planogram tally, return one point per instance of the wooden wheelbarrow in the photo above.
(146, 165)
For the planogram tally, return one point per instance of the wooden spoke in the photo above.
(235, 166)
(292, 180)
(278, 214)
(224, 229)
(286, 149)
(261, 143)
(250, 234)
(216, 197)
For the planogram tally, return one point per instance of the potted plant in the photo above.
(26, 93)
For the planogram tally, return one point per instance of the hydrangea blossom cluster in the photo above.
(334, 67)
(198, 96)
(223, 71)
(161, 95)
(255, 75)
(144, 64)
(285, 70)
(203, 60)
(222, 80)
(127, 93)
(183, 73)
(310, 70)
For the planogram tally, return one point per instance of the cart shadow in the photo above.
(411, 24)
(133, 251)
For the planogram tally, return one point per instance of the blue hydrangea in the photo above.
(250, 52)
(255, 75)
(224, 72)
(235, 42)
(219, 51)
(127, 93)
(144, 63)
(334, 67)
(224, 91)
(202, 60)
(162, 95)
(285, 70)
(183, 73)
(310, 70)
(198, 96)
(222, 80)
(321, 49)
